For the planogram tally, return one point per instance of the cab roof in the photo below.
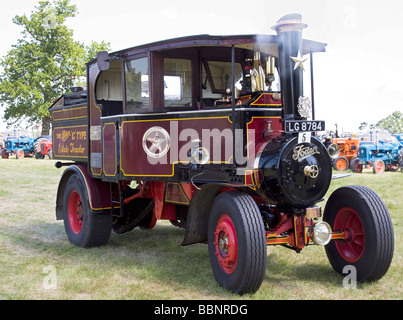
(246, 41)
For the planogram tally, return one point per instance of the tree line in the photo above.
(392, 123)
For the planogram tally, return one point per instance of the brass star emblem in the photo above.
(299, 61)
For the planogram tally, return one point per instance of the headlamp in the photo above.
(320, 233)
(333, 150)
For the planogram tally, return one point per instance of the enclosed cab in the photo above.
(217, 135)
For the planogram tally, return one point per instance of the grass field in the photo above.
(38, 262)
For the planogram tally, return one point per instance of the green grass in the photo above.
(152, 264)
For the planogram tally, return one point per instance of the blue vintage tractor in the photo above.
(21, 147)
(381, 155)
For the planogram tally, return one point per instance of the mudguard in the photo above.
(97, 190)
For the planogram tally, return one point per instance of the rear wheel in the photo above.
(355, 165)
(39, 155)
(84, 228)
(360, 212)
(341, 164)
(379, 166)
(236, 242)
(392, 167)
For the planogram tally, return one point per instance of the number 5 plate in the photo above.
(304, 126)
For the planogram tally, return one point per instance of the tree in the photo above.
(363, 126)
(366, 125)
(393, 123)
(44, 64)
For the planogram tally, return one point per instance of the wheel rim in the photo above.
(357, 167)
(352, 248)
(75, 212)
(20, 154)
(341, 164)
(226, 244)
(379, 167)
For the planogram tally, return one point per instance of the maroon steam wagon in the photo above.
(212, 134)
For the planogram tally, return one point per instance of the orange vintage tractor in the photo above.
(348, 151)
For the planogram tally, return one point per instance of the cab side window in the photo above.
(109, 90)
(137, 85)
(178, 88)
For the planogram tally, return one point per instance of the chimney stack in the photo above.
(289, 30)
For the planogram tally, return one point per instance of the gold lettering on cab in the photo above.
(71, 141)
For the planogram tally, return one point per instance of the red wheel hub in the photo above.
(350, 249)
(379, 167)
(358, 167)
(226, 244)
(20, 154)
(75, 212)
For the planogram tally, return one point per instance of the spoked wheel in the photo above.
(83, 228)
(226, 244)
(369, 241)
(352, 249)
(341, 164)
(236, 241)
(379, 166)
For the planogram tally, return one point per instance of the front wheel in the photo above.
(19, 154)
(362, 215)
(236, 242)
(341, 164)
(84, 228)
(379, 166)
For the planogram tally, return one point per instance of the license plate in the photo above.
(304, 126)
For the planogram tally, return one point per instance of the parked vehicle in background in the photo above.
(348, 152)
(43, 147)
(20, 147)
(381, 155)
(23, 146)
(2, 143)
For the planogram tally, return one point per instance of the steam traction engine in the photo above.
(212, 134)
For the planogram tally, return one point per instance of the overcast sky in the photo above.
(358, 79)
